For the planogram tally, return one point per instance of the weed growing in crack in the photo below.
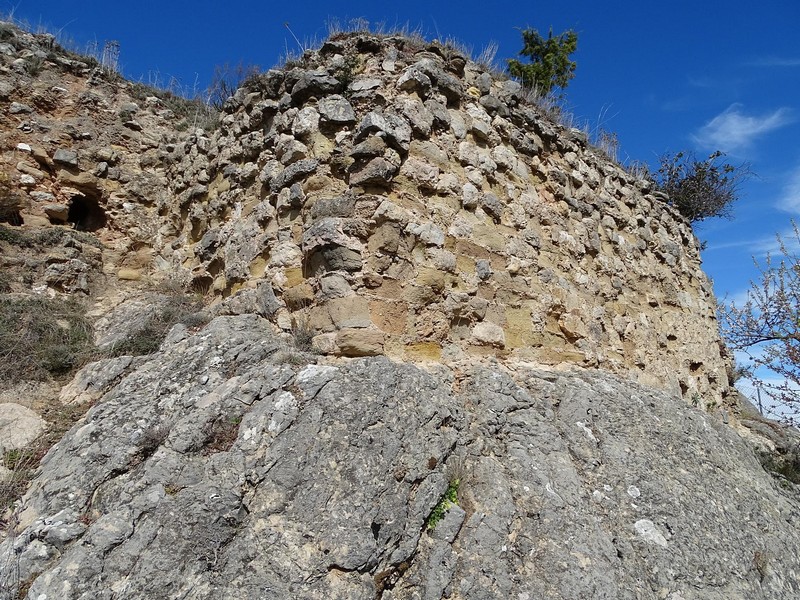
(221, 434)
(150, 440)
(302, 332)
(448, 499)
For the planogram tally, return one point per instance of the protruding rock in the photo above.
(378, 171)
(293, 172)
(336, 110)
(57, 213)
(489, 334)
(66, 157)
(17, 108)
(360, 342)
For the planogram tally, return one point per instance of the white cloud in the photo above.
(732, 129)
(775, 61)
(714, 246)
(790, 198)
(759, 247)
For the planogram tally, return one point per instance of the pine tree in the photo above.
(550, 65)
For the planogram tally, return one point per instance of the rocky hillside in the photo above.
(454, 351)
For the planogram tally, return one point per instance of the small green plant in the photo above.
(449, 498)
(550, 65)
(346, 74)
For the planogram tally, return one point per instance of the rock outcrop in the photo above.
(454, 351)
(225, 467)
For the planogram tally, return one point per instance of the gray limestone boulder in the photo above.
(294, 172)
(337, 110)
(218, 468)
(313, 83)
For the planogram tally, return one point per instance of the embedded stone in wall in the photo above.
(359, 342)
(489, 334)
(352, 312)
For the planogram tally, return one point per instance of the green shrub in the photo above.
(786, 464)
(15, 237)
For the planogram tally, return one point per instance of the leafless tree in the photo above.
(767, 325)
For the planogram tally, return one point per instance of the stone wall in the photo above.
(390, 195)
(401, 200)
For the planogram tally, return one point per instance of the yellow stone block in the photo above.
(294, 276)
(489, 237)
(429, 277)
(258, 266)
(519, 327)
(427, 351)
(465, 264)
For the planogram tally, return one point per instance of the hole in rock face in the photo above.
(11, 217)
(85, 213)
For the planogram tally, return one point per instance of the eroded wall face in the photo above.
(421, 209)
(386, 197)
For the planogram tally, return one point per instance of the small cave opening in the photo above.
(10, 206)
(11, 217)
(85, 213)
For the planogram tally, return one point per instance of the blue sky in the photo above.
(663, 76)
